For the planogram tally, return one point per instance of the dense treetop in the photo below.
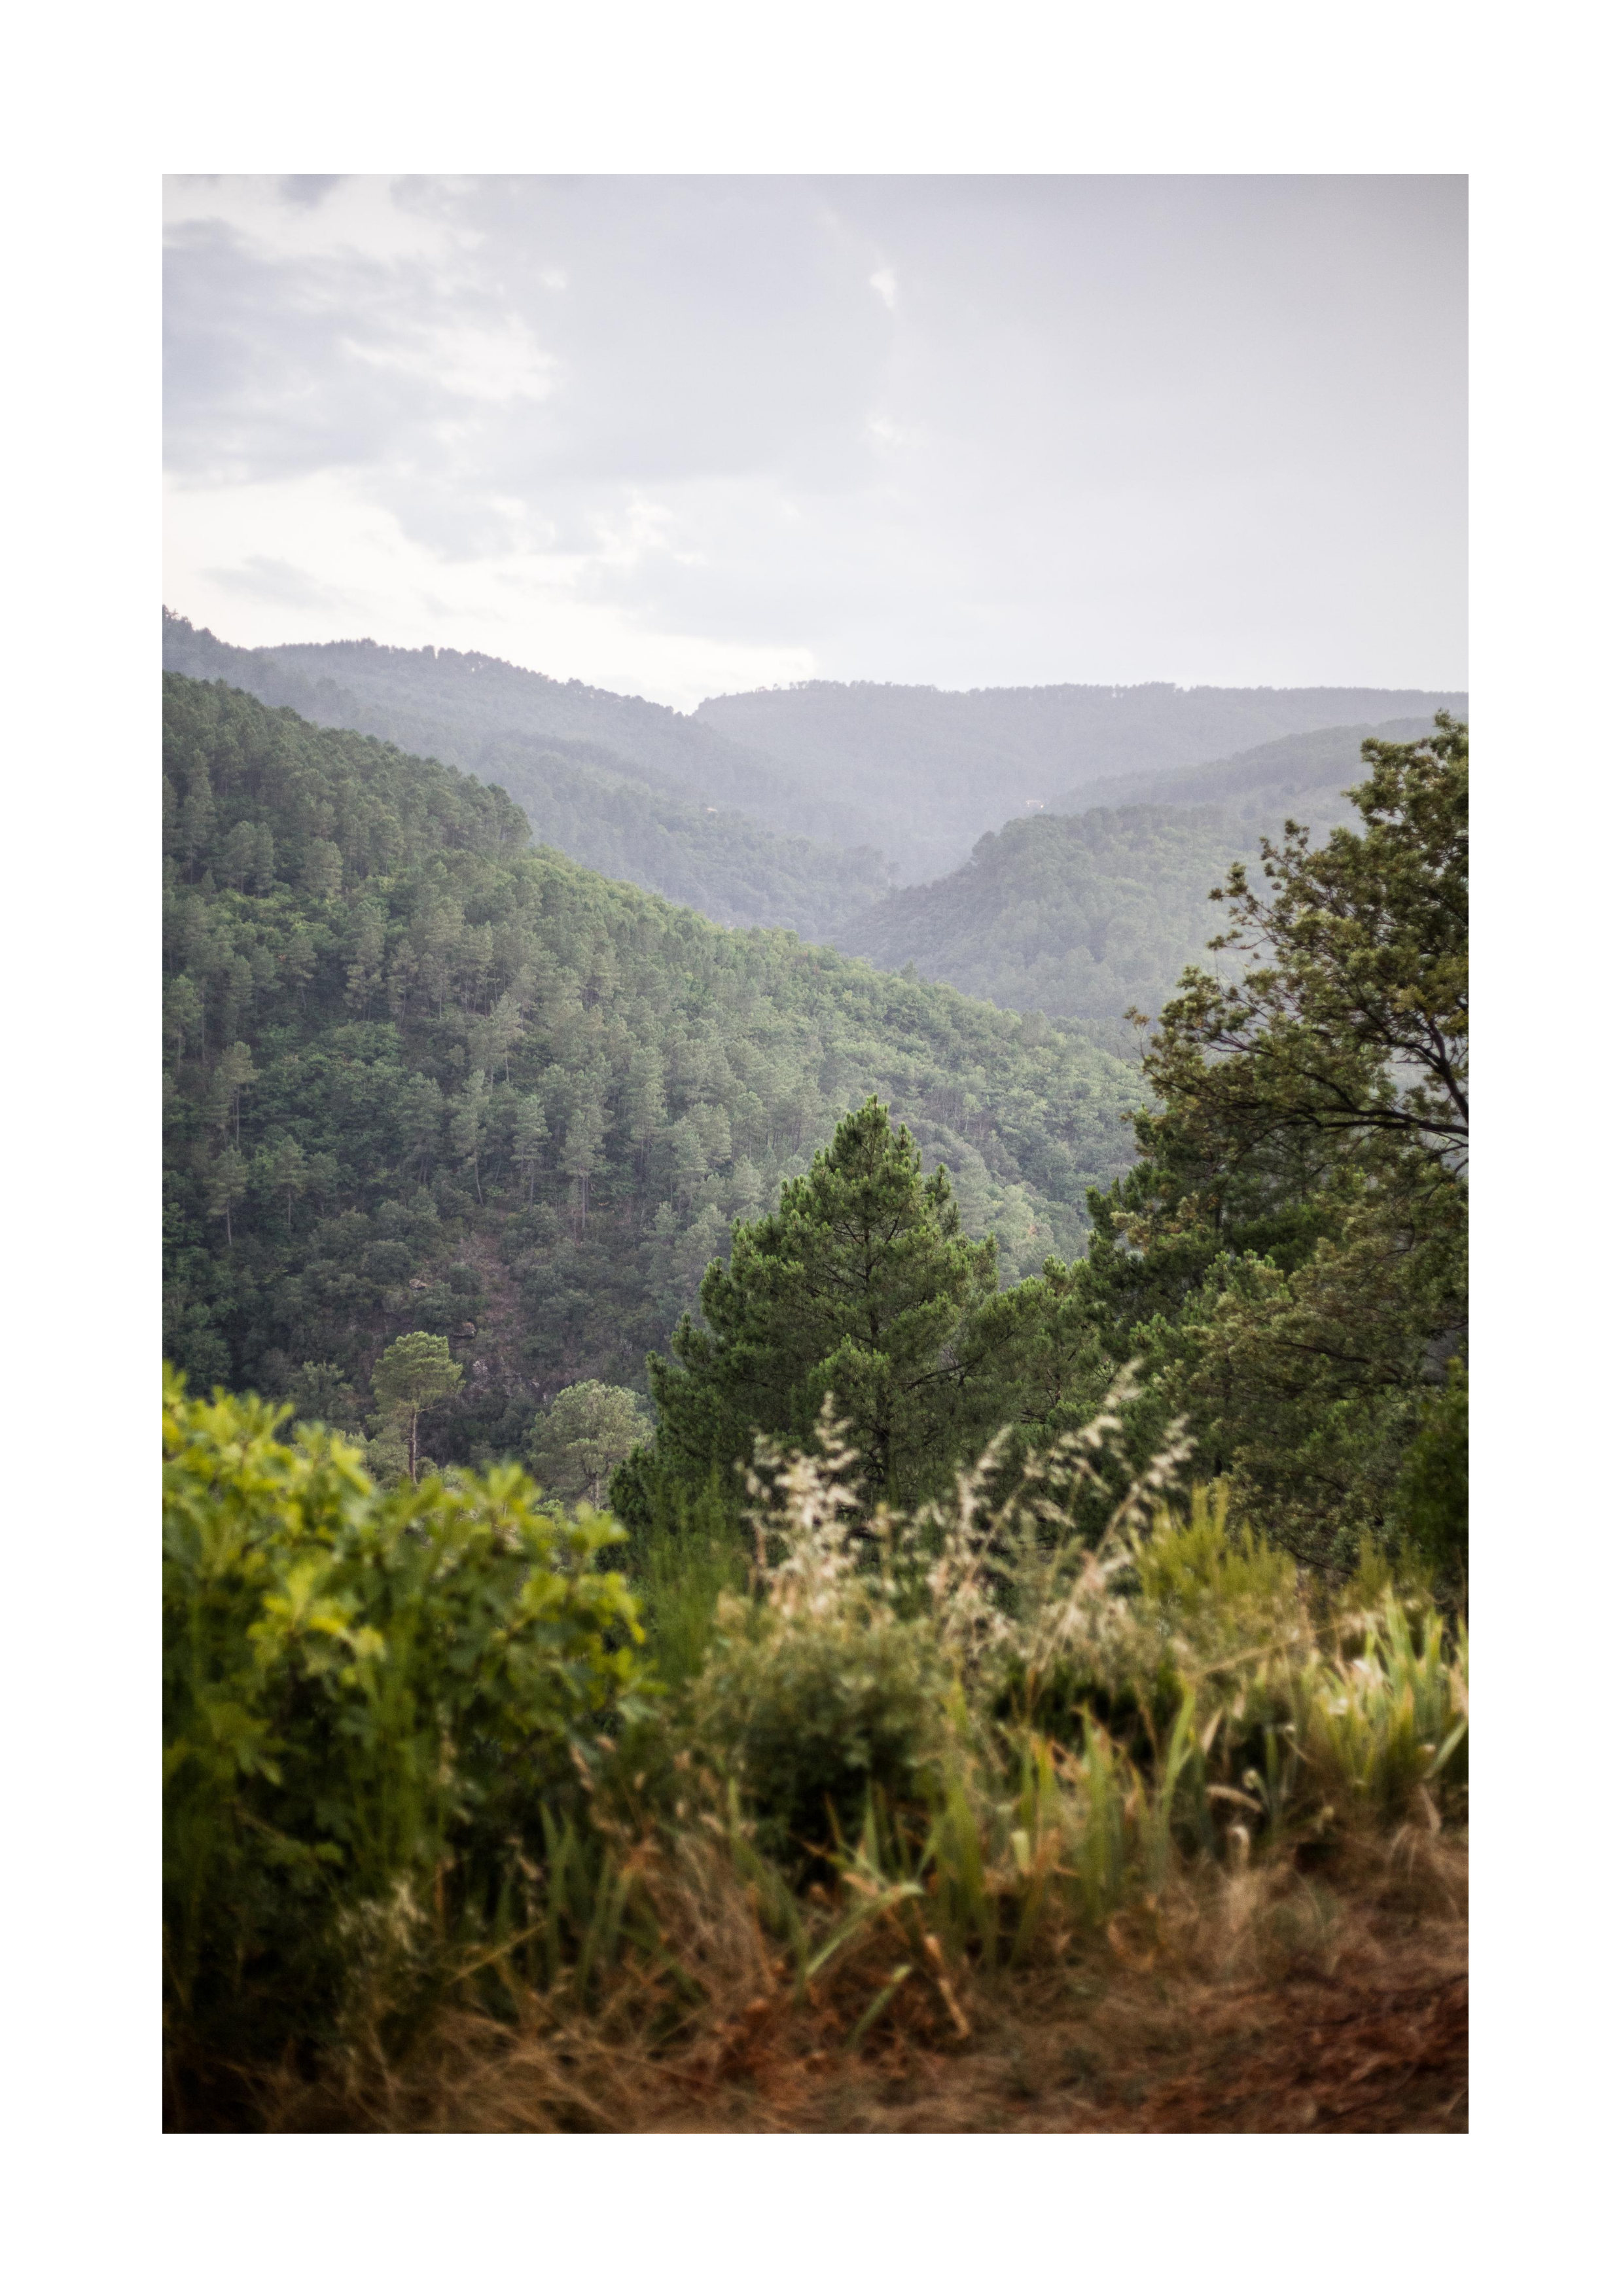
(862, 1291)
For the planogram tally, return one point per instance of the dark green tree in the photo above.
(1433, 1489)
(861, 1287)
(1291, 1255)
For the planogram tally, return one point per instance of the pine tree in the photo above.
(861, 1287)
(413, 1371)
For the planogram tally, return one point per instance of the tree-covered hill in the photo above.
(1305, 774)
(631, 790)
(1086, 908)
(420, 1075)
(930, 771)
(1082, 914)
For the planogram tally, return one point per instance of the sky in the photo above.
(688, 435)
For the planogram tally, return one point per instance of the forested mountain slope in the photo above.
(1307, 776)
(1075, 914)
(660, 809)
(1084, 909)
(931, 771)
(419, 1075)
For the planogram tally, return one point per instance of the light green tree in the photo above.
(227, 1182)
(324, 869)
(589, 1430)
(413, 1371)
(233, 1072)
(183, 1013)
(468, 1116)
(365, 974)
(423, 1111)
(529, 1138)
(284, 1171)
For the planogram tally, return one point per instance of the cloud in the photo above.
(275, 582)
(1115, 428)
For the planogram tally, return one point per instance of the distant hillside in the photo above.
(419, 1075)
(1085, 909)
(1081, 914)
(930, 771)
(1304, 774)
(659, 811)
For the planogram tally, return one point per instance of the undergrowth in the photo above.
(450, 1845)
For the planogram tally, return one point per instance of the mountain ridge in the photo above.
(984, 756)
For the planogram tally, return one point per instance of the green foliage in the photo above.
(1205, 1697)
(1375, 1729)
(860, 1287)
(377, 1706)
(371, 1700)
(680, 1566)
(1290, 1256)
(820, 1693)
(1434, 1488)
(1353, 1029)
(575, 1445)
(1228, 1587)
(526, 1104)
(809, 1717)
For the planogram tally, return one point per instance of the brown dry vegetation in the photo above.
(1261, 2000)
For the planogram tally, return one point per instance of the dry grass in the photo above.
(1260, 2000)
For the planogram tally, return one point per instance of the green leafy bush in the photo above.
(375, 1702)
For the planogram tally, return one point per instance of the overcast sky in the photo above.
(681, 436)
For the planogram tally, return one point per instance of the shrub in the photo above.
(818, 1693)
(373, 1698)
(1373, 1728)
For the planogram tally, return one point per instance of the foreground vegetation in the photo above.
(461, 1834)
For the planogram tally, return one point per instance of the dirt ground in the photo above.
(1271, 2003)
(1382, 2049)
